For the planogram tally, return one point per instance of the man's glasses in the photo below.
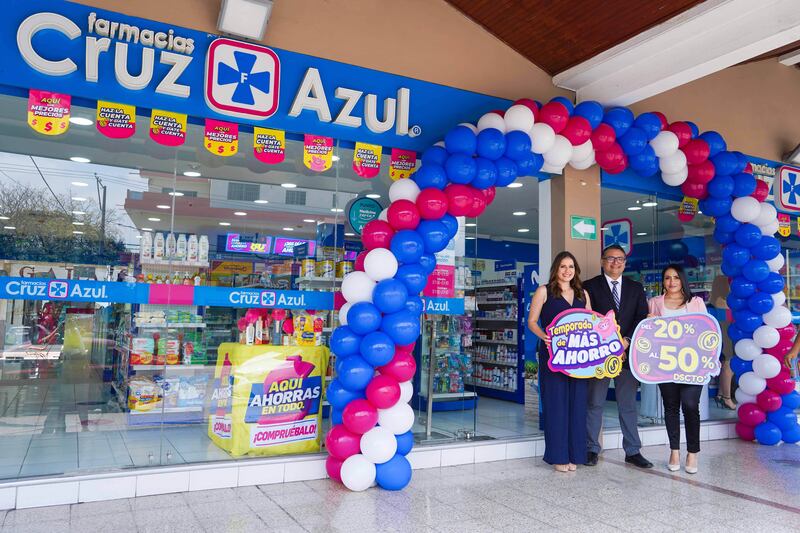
(619, 260)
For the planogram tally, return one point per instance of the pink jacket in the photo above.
(695, 305)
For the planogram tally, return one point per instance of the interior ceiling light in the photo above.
(9, 227)
(77, 232)
(336, 210)
(349, 234)
(78, 159)
(4, 218)
(154, 219)
(519, 213)
(523, 230)
(224, 223)
(192, 174)
(470, 225)
(641, 234)
(288, 185)
(374, 196)
(288, 229)
(79, 212)
(147, 229)
(162, 206)
(176, 193)
(335, 158)
(80, 121)
(634, 208)
(80, 184)
(649, 204)
(240, 213)
(309, 220)
(245, 18)
(260, 201)
(515, 185)
(78, 224)
(79, 198)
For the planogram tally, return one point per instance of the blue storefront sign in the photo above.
(225, 297)
(444, 306)
(68, 290)
(96, 54)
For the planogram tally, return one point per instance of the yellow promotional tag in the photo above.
(168, 128)
(116, 121)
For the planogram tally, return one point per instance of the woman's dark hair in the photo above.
(552, 285)
(687, 293)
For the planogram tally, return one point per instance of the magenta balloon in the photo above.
(751, 415)
(769, 401)
(342, 443)
(333, 466)
(745, 432)
(359, 416)
(383, 391)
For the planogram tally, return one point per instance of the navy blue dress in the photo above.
(564, 399)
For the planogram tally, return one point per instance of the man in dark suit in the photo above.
(611, 291)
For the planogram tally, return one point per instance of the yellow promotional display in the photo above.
(267, 400)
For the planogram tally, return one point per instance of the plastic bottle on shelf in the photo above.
(196, 279)
(146, 244)
(158, 246)
(191, 248)
(186, 279)
(202, 254)
(170, 246)
(180, 250)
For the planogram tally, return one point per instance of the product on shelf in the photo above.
(192, 248)
(142, 351)
(192, 390)
(144, 394)
(146, 245)
(202, 254)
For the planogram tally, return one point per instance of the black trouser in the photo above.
(687, 397)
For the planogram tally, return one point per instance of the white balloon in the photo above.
(492, 120)
(582, 152)
(406, 391)
(672, 164)
(551, 169)
(583, 165)
(378, 445)
(380, 264)
(518, 118)
(472, 127)
(343, 313)
(558, 155)
(542, 137)
(776, 263)
(357, 287)
(752, 384)
(398, 419)
(404, 190)
(665, 144)
(778, 317)
(675, 179)
(779, 298)
(770, 229)
(439, 143)
(746, 349)
(742, 397)
(745, 209)
(766, 337)
(765, 366)
(767, 215)
(384, 215)
(358, 473)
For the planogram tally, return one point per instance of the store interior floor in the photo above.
(53, 429)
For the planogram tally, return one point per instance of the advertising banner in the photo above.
(318, 152)
(402, 163)
(48, 112)
(677, 349)
(226, 297)
(585, 344)
(70, 290)
(168, 128)
(233, 244)
(362, 211)
(269, 146)
(367, 160)
(285, 246)
(688, 209)
(784, 225)
(115, 121)
(221, 138)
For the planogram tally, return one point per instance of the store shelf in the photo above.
(316, 281)
(158, 410)
(497, 302)
(493, 387)
(487, 319)
(174, 263)
(453, 395)
(495, 285)
(490, 362)
(189, 325)
(507, 343)
(171, 367)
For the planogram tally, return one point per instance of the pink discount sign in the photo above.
(676, 349)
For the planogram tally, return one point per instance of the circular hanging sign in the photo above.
(361, 211)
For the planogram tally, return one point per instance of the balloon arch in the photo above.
(380, 319)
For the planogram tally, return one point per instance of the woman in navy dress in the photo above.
(564, 399)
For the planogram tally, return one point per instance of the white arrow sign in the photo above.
(583, 228)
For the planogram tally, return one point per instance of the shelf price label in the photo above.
(585, 344)
(678, 349)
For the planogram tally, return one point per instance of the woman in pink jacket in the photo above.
(678, 300)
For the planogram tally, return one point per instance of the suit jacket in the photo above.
(633, 303)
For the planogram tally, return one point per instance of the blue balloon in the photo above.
(694, 128)
(768, 247)
(735, 255)
(402, 327)
(363, 317)
(748, 235)
(747, 321)
(736, 334)
(339, 397)
(428, 261)
(344, 342)
(739, 366)
(791, 400)
(591, 111)
(619, 118)
(791, 435)
(435, 155)
(760, 303)
(735, 303)
(461, 140)
(716, 143)
(756, 270)
(644, 160)
(414, 305)
(389, 296)
(783, 417)
(413, 276)
(528, 165)
(405, 441)
(773, 283)
(355, 373)
(461, 168)
(633, 141)
(649, 171)
(723, 237)
(566, 102)
(721, 187)
(407, 246)
(491, 143)
(742, 162)
(717, 206)
(485, 173)
(728, 223)
(649, 123)
(743, 185)
(506, 172)
(452, 225)
(518, 145)
(336, 416)
(434, 234)
(724, 163)
(430, 176)
(394, 474)
(742, 287)
(768, 434)
(377, 348)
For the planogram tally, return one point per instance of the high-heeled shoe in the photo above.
(725, 402)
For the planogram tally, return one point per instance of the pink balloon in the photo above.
(782, 383)
(530, 104)
(702, 172)
(619, 168)
(359, 416)
(432, 203)
(577, 131)
(403, 214)
(696, 151)
(555, 115)
(603, 137)
(342, 443)
(489, 194)
(780, 349)
(288, 327)
(338, 300)
(683, 131)
(788, 332)
(402, 367)
(762, 190)
(694, 189)
(408, 348)
(662, 118)
(498, 112)
(769, 400)
(750, 414)
(333, 467)
(383, 391)
(377, 234)
(459, 199)
(610, 158)
(358, 264)
(478, 203)
(745, 432)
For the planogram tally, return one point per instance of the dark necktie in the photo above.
(615, 294)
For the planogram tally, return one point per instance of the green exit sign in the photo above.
(583, 228)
